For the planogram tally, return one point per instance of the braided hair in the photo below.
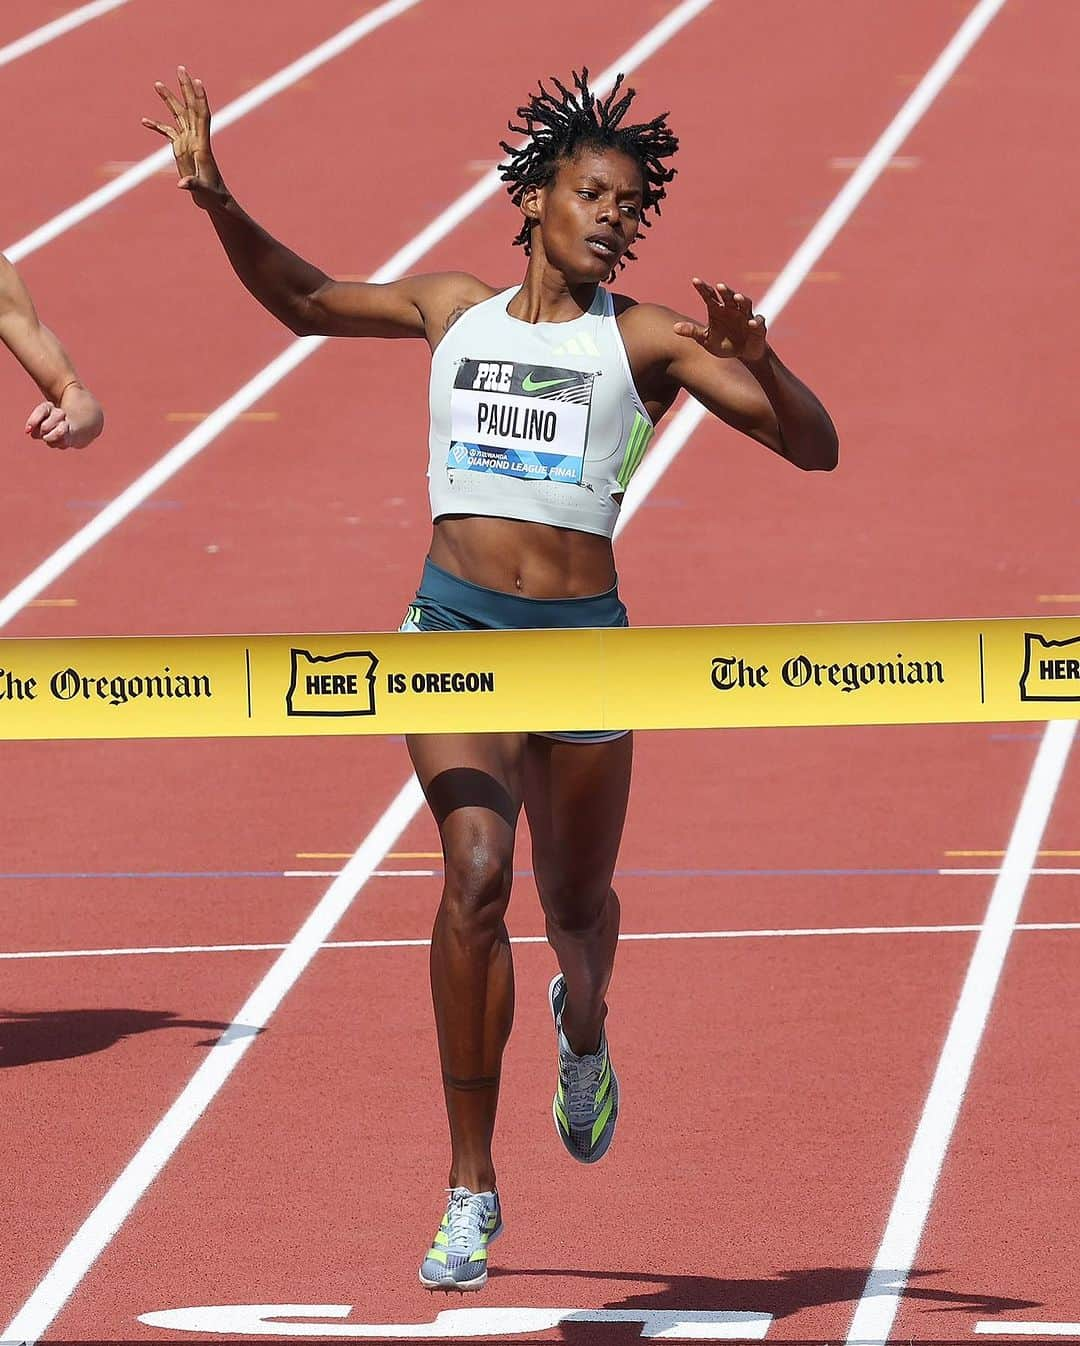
(557, 126)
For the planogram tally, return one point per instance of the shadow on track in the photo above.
(57, 1035)
(782, 1295)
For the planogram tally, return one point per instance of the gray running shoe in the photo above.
(457, 1258)
(586, 1103)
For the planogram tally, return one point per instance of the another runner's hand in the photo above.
(190, 139)
(71, 426)
(734, 331)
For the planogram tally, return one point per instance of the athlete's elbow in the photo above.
(299, 318)
(819, 453)
(301, 310)
(827, 460)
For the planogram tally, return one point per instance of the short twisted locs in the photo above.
(559, 125)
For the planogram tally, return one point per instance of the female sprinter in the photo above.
(543, 398)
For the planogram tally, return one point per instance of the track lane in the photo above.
(1003, 1205)
(999, 486)
(177, 812)
(70, 145)
(90, 1057)
(1005, 1199)
(575, 1237)
(27, 23)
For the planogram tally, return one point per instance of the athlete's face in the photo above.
(590, 213)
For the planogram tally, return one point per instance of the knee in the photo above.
(577, 908)
(477, 885)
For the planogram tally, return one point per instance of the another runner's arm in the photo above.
(729, 367)
(70, 417)
(300, 295)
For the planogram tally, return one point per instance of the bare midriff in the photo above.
(533, 560)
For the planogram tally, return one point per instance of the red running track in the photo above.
(772, 1082)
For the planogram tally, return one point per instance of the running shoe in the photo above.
(457, 1259)
(586, 1103)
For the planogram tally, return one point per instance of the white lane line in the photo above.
(624, 938)
(182, 453)
(379, 873)
(988, 873)
(109, 1214)
(1004, 1328)
(106, 1218)
(48, 32)
(230, 113)
(877, 1308)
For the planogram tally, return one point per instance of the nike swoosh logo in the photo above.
(529, 386)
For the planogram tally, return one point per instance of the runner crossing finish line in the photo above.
(698, 677)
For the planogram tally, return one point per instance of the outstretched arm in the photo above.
(300, 295)
(728, 365)
(70, 417)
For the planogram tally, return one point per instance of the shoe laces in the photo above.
(582, 1078)
(468, 1215)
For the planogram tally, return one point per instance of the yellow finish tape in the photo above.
(455, 682)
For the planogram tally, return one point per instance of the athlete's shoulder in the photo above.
(647, 329)
(638, 314)
(455, 293)
(460, 284)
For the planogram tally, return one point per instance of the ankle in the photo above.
(583, 1038)
(476, 1179)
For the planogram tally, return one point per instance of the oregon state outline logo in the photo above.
(332, 684)
(1051, 669)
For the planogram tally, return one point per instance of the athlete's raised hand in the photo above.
(190, 139)
(734, 330)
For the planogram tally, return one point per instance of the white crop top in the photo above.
(535, 421)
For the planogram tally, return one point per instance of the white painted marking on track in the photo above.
(294, 355)
(985, 873)
(49, 32)
(809, 932)
(379, 873)
(230, 113)
(264, 1320)
(880, 1300)
(1003, 1328)
(105, 1219)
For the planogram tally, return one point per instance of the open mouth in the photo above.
(603, 247)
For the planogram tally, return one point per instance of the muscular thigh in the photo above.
(474, 785)
(575, 800)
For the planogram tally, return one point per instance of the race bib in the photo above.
(519, 420)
